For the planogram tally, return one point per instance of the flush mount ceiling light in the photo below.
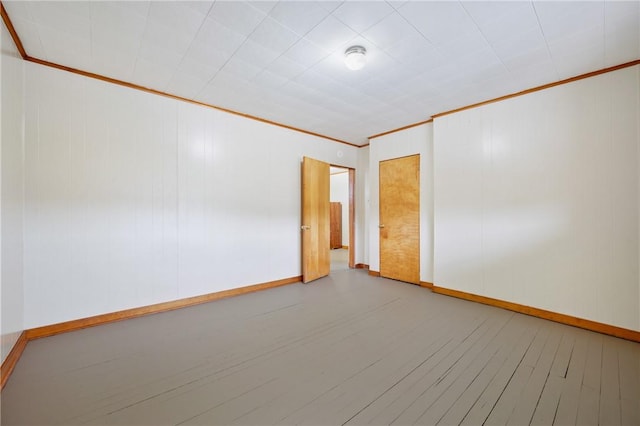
(355, 57)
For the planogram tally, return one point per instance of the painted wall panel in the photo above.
(134, 199)
(536, 199)
(362, 206)
(416, 140)
(12, 193)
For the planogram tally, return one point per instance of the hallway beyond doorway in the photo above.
(339, 259)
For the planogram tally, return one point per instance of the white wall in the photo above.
(339, 186)
(362, 206)
(134, 199)
(12, 193)
(416, 140)
(536, 199)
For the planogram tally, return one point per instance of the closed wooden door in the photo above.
(316, 258)
(400, 219)
(336, 225)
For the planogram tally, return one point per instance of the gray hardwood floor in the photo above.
(339, 259)
(347, 349)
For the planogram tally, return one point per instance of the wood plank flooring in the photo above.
(347, 349)
(339, 259)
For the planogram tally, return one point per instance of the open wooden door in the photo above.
(400, 219)
(316, 258)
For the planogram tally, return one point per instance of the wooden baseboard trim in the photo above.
(374, 273)
(425, 284)
(586, 324)
(12, 359)
(50, 330)
(64, 327)
(361, 266)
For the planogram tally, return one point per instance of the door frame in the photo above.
(380, 224)
(352, 213)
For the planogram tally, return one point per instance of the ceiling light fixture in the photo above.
(355, 57)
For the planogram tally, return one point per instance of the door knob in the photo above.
(305, 227)
(380, 226)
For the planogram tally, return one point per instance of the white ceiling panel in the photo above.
(381, 88)
(591, 38)
(149, 74)
(330, 34)
(196, 69)
(31, 36)
(621, 13)
(320, 81)
(536, 74)
(361, 15)
(67, 16)
(283, 60)
(415, 52)
(159, 34)
(329, 5)
(519, 61)
(53, 40)
(512, 22)
(558, 19)
(138, 7)
(169, 13)
(102, 38)
(240, 16)
(306, 53)
(202, 6)
(241, 68)
(465, 45)
(159, 55)
(110, 19)
(274, 35)
(255, 54)
(185, 85)
(207, 56)
(286, 67)
(489, 14)
(391, 31)
(525, 41)
(300, 17)
(112, 62)
(269, 80)
(378, 61)
(265, 5)
(571, 65)
(621, 47)
(439, 21)
(215, 35)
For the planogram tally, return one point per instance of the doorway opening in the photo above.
(341, 218)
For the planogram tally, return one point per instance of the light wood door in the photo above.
(336, 225)
(400, 219)
(316, 259)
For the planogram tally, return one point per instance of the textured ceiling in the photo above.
(283, 60)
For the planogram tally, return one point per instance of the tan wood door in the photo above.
(400, 219)
(335, 239)
(316, 258)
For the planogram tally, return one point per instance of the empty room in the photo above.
(320, 212)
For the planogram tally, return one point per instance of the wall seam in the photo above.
(23, 142)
